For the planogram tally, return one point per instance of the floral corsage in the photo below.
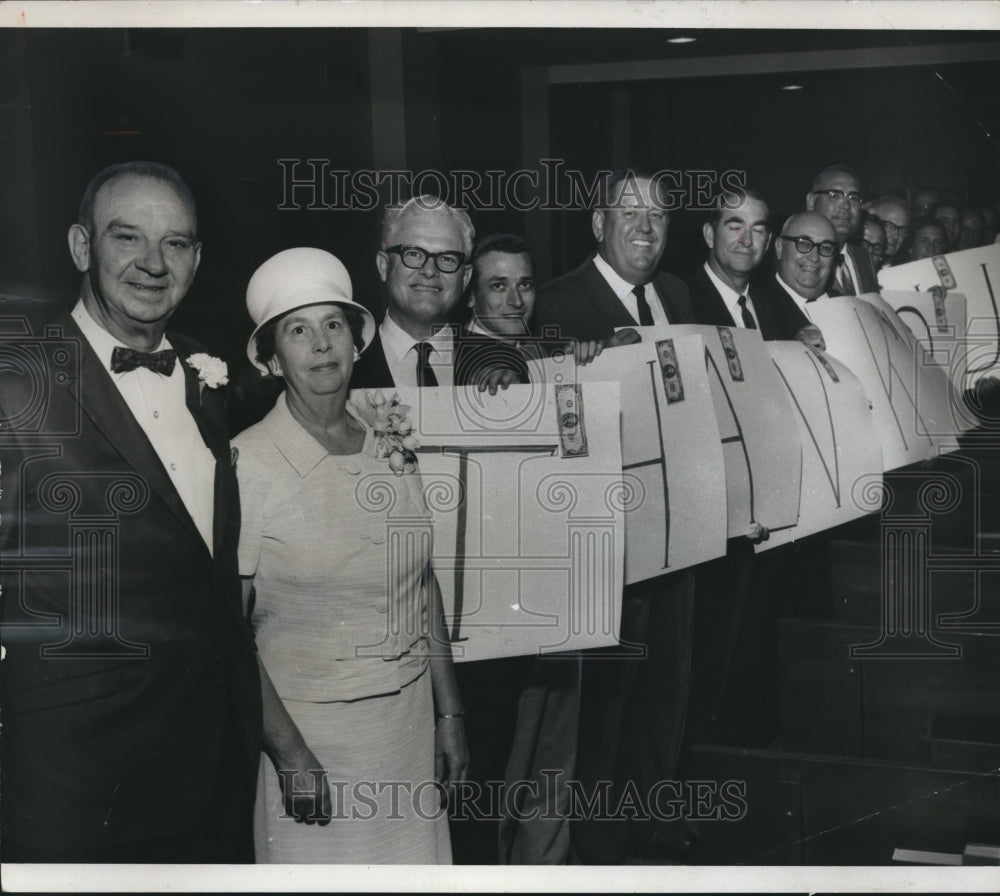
(395, 440)
(212, 371)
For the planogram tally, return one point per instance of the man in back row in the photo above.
(836, 194)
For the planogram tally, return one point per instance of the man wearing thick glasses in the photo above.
(424, 262)
(805, 254)
(836, 194)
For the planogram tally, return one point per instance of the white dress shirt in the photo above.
(401, 354)
(801, 302)
(732, 299)
(159, 406)
(623, 289)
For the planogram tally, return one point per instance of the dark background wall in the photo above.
(225, 105)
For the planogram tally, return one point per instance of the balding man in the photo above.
(805, 253)
(836, 194)
(894, 213)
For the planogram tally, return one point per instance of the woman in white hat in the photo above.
(360, 700)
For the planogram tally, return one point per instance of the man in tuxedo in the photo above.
(632, 700)
(738, 235)
(836, 194)
(423, 261)
(130, 694)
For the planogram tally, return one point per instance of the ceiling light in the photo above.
(681, 40)
(792, 87)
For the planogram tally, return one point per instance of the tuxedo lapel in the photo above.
(101, 401)
(205, 405)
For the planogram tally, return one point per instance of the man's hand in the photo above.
(812, 336)
(304, 788)
(451, 753)
(586, 350)
(624, 336)
(497, 378)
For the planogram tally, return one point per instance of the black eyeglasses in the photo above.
(839, 196)
(804, 245)
(415, 257)
(876, 249)
(890, 228)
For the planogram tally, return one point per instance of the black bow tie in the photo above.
(125, 359)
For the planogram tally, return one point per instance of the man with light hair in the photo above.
(424, 262)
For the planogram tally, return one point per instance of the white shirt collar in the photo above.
(799, 300)
(398, 346)
(101, 341)
(398, 342)
(619, 286)
(731, 297)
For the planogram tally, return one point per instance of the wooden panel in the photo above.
(853, 812)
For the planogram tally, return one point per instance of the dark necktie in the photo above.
(425, 373)
(845, 282)
(645, 315)
(748, 320)
(125, 359)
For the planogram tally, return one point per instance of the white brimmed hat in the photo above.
(296, 278)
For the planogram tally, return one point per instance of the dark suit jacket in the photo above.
(787, 318)
(581, 304)
(778, 317)
(477, 356)
(130, 692)
(371, 370)
(867, 278)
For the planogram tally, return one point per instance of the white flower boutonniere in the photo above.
(212, 371)
(395, 440)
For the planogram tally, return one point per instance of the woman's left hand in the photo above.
(451, 752)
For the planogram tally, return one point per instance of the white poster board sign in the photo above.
(882, 360)
(672, 458)
(525, 491)
(757, 427)
(839, 445)
(939, 324)
(940, 409)
(976, 274)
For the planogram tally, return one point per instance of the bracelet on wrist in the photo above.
(451, 715)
